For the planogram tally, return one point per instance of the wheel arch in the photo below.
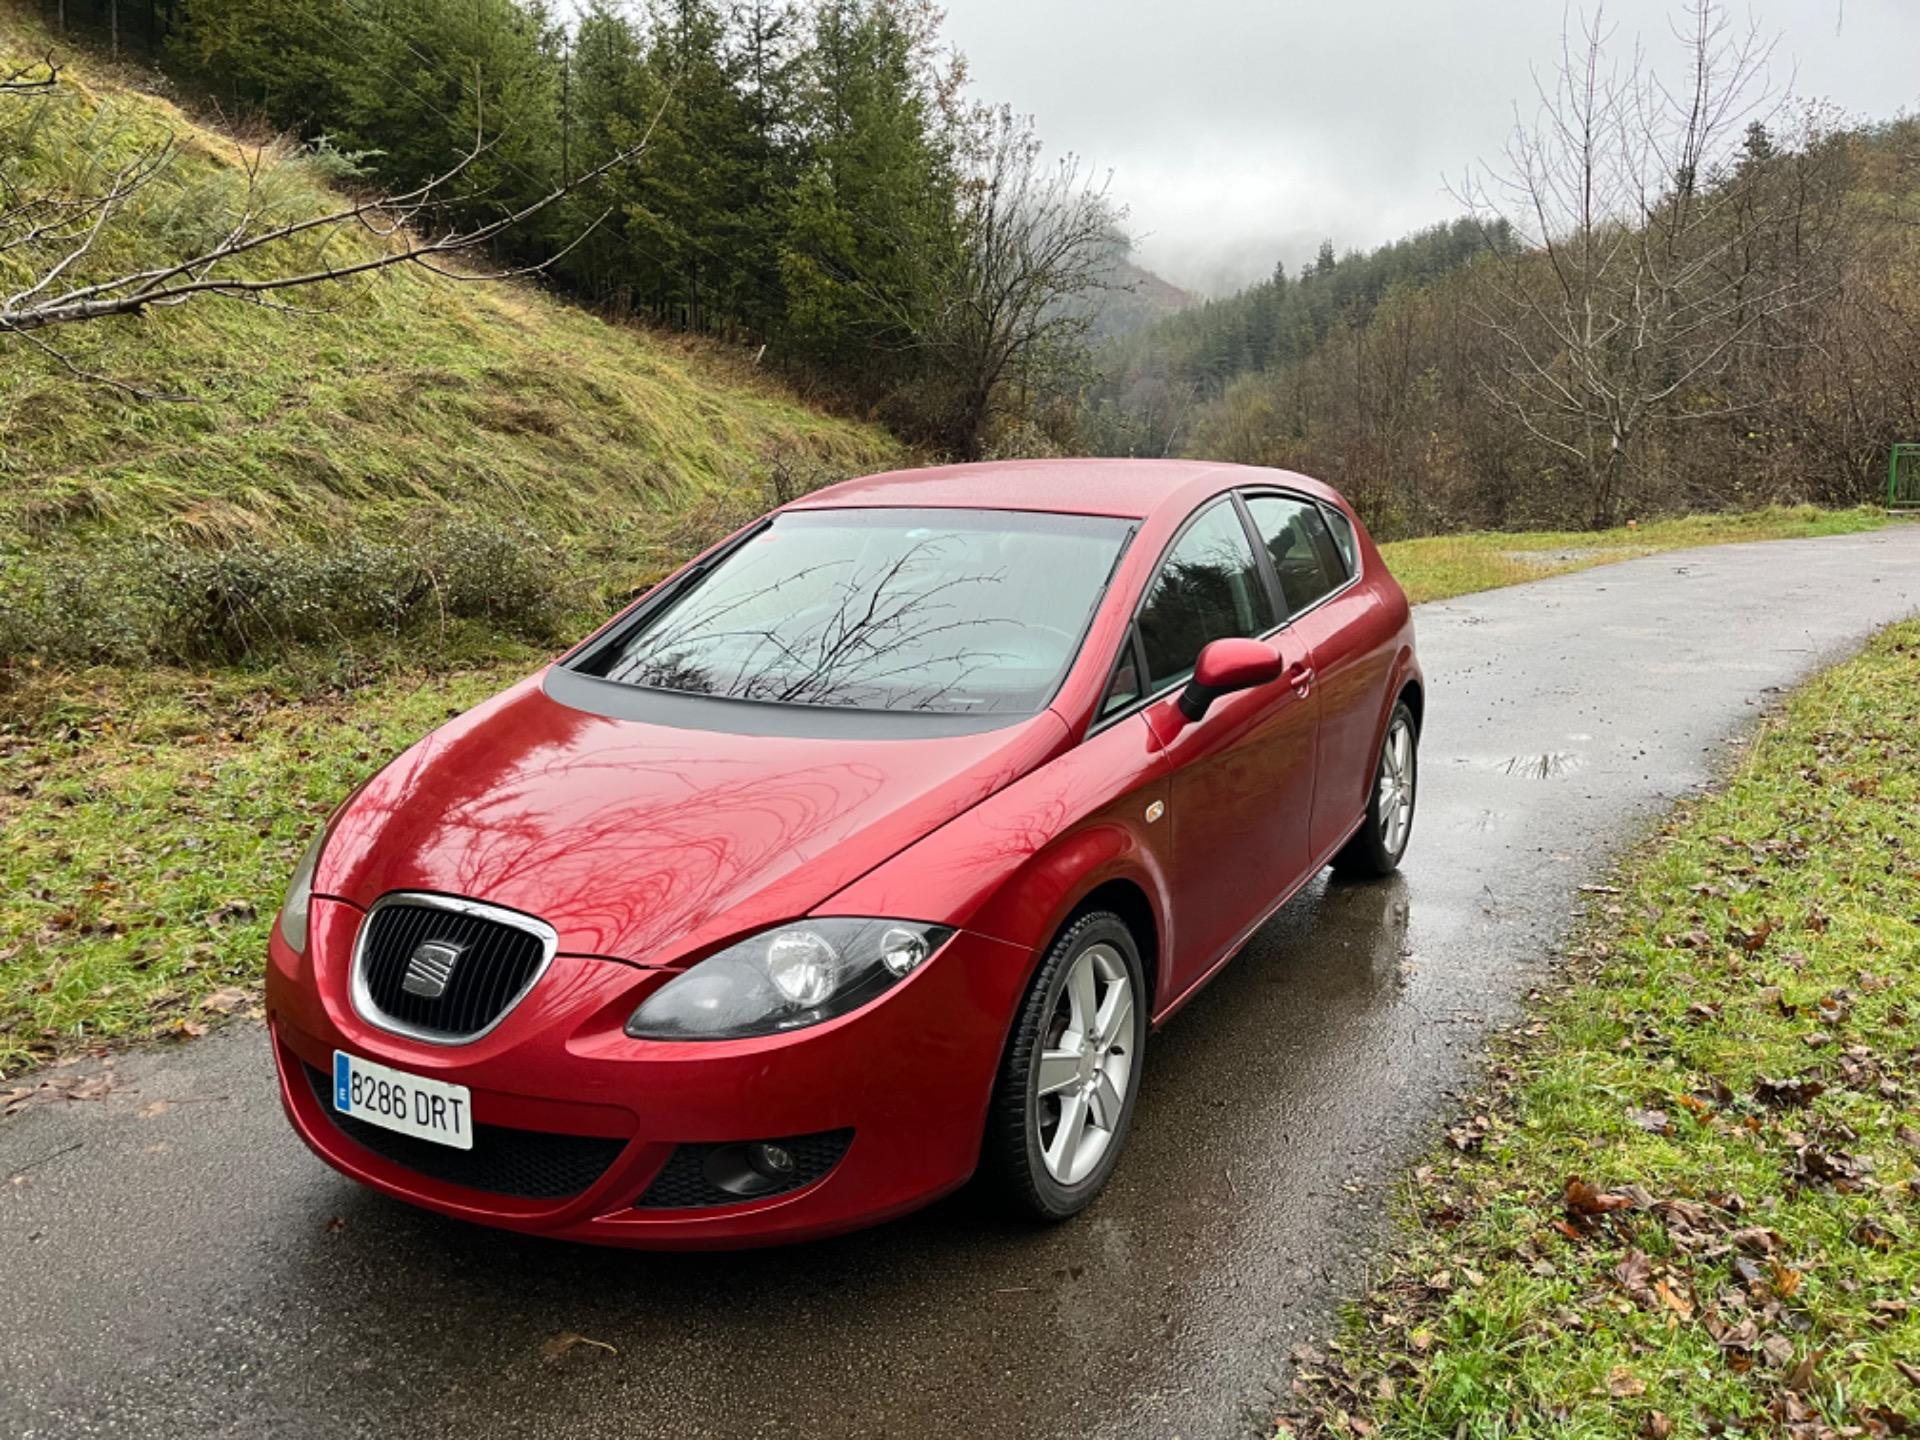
(1127, 898)
(1413, 694)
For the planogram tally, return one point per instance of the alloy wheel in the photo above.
(1081, 1080)
(1397, 775)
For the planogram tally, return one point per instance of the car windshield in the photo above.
(941, 611)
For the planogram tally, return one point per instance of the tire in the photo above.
(1034, 1171)
(1376, 847)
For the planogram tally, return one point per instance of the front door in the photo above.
(1241, 780)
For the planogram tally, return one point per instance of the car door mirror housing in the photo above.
(1226, 666)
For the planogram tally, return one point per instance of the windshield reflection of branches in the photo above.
(884, 641)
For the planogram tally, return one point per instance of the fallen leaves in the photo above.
(59, 1084)
(1623, 1384)
(227, 999)
(1872, 1234)
(232, 912)
(1816, 1165)
(1585, 1201)
(560, 1346)
(1750, 1001)
(1781, 1094)
(1468, 1136)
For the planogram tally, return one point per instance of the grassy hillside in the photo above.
(386, 409)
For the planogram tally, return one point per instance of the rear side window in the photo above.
(1304, 554)
(1343, 538)
(1209, 587)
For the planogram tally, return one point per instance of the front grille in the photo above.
(528, 1164)
(683, 1182)
(444, 969)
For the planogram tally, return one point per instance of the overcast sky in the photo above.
(1241, 132)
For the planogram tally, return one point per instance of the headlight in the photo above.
(293, 911)
(785, 978)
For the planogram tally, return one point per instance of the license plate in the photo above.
(394, 1100)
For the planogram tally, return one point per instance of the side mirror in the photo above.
(1226, 666)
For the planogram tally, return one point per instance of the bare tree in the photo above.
(991, 300)
(54, 234)
(1636, 280)
(1034, 240)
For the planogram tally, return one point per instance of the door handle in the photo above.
(1300, 676)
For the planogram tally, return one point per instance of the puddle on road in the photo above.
(1540, 764)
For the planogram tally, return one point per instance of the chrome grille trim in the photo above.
(369, 1010)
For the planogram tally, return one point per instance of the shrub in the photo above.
(150, 599)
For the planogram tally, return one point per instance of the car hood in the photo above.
(649, 842)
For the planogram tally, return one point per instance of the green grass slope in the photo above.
(380, 409)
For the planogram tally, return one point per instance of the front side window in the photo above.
(938, 611)
(1295, 533)
(1209, 588)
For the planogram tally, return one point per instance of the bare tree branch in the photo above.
(31, 79)
(54, 237)
(402, 219)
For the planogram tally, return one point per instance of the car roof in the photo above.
(1129, 488)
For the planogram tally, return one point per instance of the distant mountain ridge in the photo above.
(1138, 298)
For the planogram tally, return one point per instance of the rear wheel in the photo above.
(1376, 847)
(1065, 1095)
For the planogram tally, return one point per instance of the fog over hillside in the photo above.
(1242, 132)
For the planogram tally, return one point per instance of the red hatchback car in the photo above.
(863, 853)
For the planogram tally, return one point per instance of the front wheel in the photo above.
(1376, 847)
(1066, 1090)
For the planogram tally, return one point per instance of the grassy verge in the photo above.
(1689, 1204)
(1448, 565)
(151, 823)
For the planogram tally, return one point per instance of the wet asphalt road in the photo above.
(196, 1272)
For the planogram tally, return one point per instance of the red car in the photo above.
(864, 852)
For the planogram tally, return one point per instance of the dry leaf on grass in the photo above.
(1623, 1384)
(1585, 1200)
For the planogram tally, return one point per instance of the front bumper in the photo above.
(909, 1075)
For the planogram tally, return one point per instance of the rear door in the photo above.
(1328, 611)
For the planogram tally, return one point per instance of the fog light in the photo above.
(773, 1161)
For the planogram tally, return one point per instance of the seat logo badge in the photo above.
(430, 967)
(1155, 811)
